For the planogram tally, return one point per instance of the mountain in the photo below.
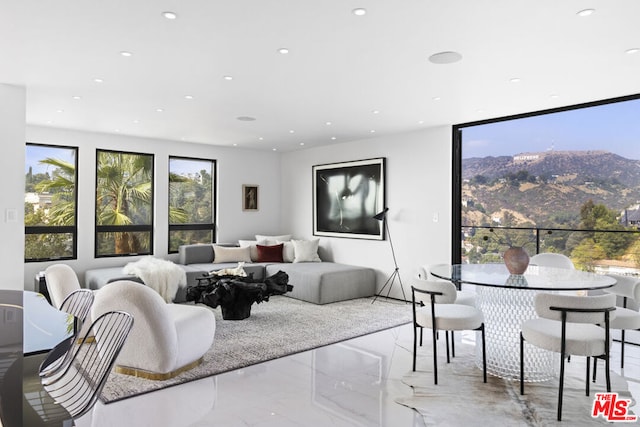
(541, 187)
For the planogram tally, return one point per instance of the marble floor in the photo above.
(353, 383)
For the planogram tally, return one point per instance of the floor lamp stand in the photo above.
(394, 275)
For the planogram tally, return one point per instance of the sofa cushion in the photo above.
(288, 253)
(224, 254)
(306, 250)
(195, 254)
(272, 240)
(269, 253)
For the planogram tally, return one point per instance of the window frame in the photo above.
(58, 229)
(193, 226)
(456, 181)
(124, 228)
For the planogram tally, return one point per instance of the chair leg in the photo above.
(561, 388)
(595, 369)
(453, 345)
(622, 349)
(521, 364)
(415, 344)
(446, 336)
(435, 358)
(484, 357)
(587, 381)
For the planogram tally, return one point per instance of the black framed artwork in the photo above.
(346, 196)
(249, 197)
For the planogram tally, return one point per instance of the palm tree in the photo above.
(62, 185)
(123, 195)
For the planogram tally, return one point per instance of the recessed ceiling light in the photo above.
(479, 110)
(555, 95)
(333, 138)
(245, 118)
(375, 112)
(586, 12)
(170, 15)
(60, 111)
(136, 121)
(49, 121)
(632, 50)
(372, 131)
(228, 77)
(235, 144)
(188, 97)
(260, 139)
(436, 98)
(116, 130)
(420, 122)
(515, 80)
(159, 110)
(77, 98)
(292, 131)
(447, 57)
(98, 80)
(283, 50)
(274, 149)
(126, 53)
(359, 11)
(327, 123)
(302, 143)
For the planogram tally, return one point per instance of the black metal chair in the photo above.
(433, 307)
(569, 325)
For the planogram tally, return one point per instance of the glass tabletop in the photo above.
(535, 277)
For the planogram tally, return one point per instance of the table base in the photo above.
(504, 312)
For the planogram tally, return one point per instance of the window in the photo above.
(191, 206)
(50, 200)
(566, 181)
(124, 203)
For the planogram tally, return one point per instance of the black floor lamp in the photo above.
(382, 216)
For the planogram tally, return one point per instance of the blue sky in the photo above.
(611, 127)
(35, 153)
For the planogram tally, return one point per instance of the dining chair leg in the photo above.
(587, 379)
(446, 337)
(453, 345)
(415, 344)
(622, 349)
(561, 387)
(435, 358)
(484, 357)
(421, 329)
(521, 364)
(595, 369)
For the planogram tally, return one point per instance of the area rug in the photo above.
(461, 398)
(277, 328)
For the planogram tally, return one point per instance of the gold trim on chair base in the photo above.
(156, 376)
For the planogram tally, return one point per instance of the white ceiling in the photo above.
(340, 67)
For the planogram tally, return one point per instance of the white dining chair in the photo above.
(627, 319)
(549, 259)
(570, 324)
(434, 307)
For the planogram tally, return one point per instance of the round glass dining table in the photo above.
(506, 300)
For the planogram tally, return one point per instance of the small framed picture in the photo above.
(249, 197)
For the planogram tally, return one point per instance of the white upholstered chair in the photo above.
(434, 307)
(570, 324)
(166, 339)
(463, 297)
(626, 318)
(61, 281)
(548, 259)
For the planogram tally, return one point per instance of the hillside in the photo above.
(547, 188)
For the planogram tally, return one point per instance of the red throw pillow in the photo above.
(270, 253)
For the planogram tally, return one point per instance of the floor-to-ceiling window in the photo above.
(124, 203)
(191, 201)
(50, 202)
(565, 181)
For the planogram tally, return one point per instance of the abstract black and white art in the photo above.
(346, 196)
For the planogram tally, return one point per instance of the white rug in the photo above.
(276, 328)
(462, 399)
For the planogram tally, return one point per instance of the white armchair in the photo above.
(166, 339)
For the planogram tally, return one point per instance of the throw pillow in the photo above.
(306, 250)
(288, 253)
(226, 254)
(271, 240)
(269, 253)
(251, 244)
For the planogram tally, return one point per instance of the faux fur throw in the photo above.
(160, 275)
(238, 271)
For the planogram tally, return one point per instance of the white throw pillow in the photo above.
(253, 249)
(272, 240)
(306, 250)
(225, 254)
(288, 252)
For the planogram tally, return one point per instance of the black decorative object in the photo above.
(345, 198)
(382, 216)
(236, 294)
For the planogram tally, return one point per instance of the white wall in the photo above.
(235, 167)
(12, 131)
(418, 186)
